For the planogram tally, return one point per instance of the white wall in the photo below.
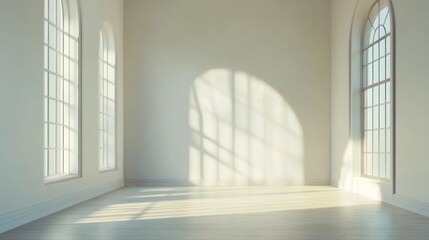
(412, 114)
(412, 87)
(24, 196)
(341, 165)
(284, 45)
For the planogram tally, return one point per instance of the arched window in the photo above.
(61, 94)
(107, 99)
(377, 106)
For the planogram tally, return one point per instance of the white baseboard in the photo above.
(184, 183)
(407, 203)
(317, 182)
(22, 216)
(381, 193)
(157, 183)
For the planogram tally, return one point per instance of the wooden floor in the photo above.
(236, 213)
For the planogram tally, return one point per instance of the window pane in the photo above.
(59, 137)
(376, 51)
(59, 119)
(66, 115)
(376, 72)
(60, 65)
(369, 119)
(369, 97)
(66, 91)
(388, 117)
(388, 50)
(60, 88)
(382, 93)
(382, 160)
(382, 116)
(375, 118)
(52, 162)
(376, 91)
(369, 137)
(382, 48)
(388, 67)
(67, 138)
(369, 164)
(52, 85)
(52, 133)
(383, 140)
(388, 92)
(375, 141)
(66, 68)
(387, 23)
(370, 74)
(382, 69)
(388, 140)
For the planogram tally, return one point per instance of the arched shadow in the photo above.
(242, 131)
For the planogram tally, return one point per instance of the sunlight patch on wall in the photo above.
(346, 172)
(242, 131)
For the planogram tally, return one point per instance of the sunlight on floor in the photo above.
(194, 202)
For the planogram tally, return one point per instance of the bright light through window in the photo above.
(107, 100)
(377, 94)
(61, 94)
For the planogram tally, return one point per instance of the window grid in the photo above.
(60, 80)
(376, 94)
(107, 111)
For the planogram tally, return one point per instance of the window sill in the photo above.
(375, 180)
(60, 178)
(106, 170)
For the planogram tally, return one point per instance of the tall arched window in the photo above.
(61, 94)
(107, 99)
(377, 92)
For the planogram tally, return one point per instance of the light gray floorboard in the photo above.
(236, 213)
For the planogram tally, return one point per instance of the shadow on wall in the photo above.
(242, 132)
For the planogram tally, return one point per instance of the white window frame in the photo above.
(62, 99)
(377, 99)
(107, 110)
